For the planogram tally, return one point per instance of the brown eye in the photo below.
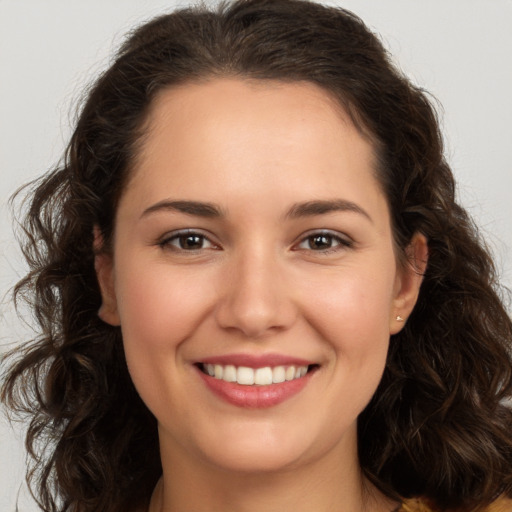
(319, 242)
(187, 241)
(190, 242)
(324, 242)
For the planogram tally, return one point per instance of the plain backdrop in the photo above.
(459, 50)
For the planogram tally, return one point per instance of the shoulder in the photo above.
(418, 505)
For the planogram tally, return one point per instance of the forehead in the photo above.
(257, 135)
(231, 107)
(240, 91)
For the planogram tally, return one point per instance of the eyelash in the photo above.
(167, 242)
(332, 237)
(341, 242)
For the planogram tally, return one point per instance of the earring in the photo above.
(399, 318)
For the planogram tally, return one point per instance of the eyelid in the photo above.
(165, 240)
(344, 241)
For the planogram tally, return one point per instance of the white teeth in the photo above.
(251, 376)
(219, 371)
(290, 373)
(245, 376)
(263, 376)
(229, 373)
(278, 374)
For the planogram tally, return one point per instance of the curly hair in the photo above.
(438, 425)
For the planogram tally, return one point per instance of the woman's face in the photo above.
(253, 242)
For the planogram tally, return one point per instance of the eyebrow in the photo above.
(306, 209)
(196, 208)
(321, 207)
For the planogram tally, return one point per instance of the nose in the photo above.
(255, 299)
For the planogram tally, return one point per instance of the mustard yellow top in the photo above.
(415, 505)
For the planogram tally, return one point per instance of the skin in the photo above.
(256, 283)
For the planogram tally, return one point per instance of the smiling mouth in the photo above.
(264, 376)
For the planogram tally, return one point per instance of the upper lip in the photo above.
(256, 361)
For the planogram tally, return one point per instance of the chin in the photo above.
(254, 460)
(267, 449)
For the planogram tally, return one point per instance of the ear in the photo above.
(408, 282)
(104, 266)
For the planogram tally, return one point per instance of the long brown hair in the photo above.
(438, 425)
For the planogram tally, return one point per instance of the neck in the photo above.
(322, 485)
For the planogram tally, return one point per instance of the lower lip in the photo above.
(254, 397)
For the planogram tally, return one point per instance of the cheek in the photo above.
(352, 315)
(352, 309)
(159, 309)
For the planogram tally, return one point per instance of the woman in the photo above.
(255, 287)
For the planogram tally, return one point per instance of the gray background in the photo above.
(459, 50)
